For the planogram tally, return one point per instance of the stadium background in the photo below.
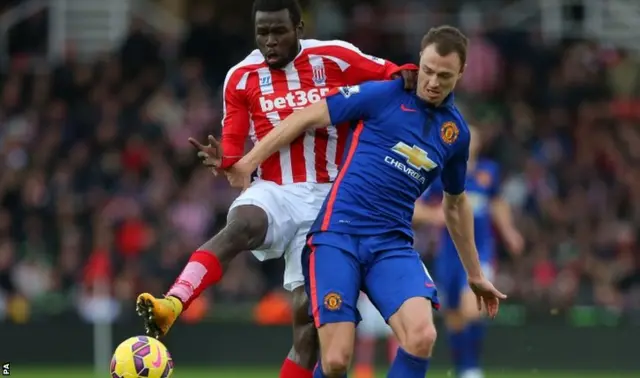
(101, 196)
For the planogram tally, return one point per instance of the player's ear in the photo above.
(462, 71)
(300, 29)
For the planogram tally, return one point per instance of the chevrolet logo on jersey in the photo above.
(415, 157)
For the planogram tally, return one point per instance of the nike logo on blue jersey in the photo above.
(405, 109)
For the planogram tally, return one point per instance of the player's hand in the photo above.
(486, 294)
(410, 78)
(514, 242)
(239, 175)
(211, 154)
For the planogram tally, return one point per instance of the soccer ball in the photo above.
(141, 356)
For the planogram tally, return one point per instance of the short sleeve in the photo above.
(358, 102)
(235, 119)
(454, 174)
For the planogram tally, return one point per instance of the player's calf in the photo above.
(305, 336)
(303, 356)
(246, 229)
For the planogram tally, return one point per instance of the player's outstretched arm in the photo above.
(314, 116)
(459, 219)
(458, 215)
(341, 105)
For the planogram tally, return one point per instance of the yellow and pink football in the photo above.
(141, 357)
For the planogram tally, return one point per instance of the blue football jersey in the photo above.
(398, 148)
(483, 185)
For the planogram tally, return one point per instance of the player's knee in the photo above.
(420, 338)
(337, 343)
(336, 361)
(247, 226)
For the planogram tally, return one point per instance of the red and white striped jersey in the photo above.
(257, 98)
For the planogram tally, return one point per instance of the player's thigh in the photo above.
(271, 198)
(468, 305)
(401, 288)
(332, 282)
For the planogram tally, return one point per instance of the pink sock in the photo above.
(202, 270)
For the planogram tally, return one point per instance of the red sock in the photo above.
(202, 270)
(290, 369)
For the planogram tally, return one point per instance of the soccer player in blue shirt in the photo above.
(362, 238)
(462, 318)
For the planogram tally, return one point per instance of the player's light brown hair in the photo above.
(447, 39)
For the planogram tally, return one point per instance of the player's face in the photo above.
(277, 37)
(438, 74)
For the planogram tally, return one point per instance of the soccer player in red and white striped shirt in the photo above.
(272, 217)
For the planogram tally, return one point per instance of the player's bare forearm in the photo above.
(314, 116)
(458, 217)
(501, 216)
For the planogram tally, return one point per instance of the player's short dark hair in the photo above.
(447, 39)
(293, 6)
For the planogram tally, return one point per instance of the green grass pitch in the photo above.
(59, 372)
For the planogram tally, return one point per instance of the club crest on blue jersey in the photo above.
(449, 132)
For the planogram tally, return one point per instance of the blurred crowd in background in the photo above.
(102, 197)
